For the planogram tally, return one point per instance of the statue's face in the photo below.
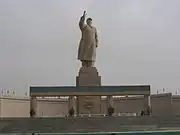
(89, 22)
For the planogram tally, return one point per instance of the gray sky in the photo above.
(139, 42)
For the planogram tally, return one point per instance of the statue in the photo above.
(88, 42)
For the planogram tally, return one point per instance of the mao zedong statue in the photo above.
(88, 42)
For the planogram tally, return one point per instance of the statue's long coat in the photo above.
(88, 42)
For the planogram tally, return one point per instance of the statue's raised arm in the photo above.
(82, 19)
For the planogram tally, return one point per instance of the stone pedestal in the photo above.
(88, 76)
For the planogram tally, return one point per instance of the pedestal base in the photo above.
(88, 76)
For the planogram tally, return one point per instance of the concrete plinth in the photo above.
(88, 76)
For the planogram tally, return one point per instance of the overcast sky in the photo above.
(139, 42)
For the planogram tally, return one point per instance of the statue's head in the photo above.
(89, 21)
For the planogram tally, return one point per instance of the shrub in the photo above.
(71, 112)
(32, 113)
(110, 111)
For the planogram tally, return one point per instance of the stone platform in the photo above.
(87, 124)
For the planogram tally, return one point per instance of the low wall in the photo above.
(162, 104)
(176, 105)
(125, 105)
(49, 107)
(14, 107)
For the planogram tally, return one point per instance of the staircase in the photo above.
(85, 124)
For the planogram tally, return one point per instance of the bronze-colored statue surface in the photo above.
(88, 42)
